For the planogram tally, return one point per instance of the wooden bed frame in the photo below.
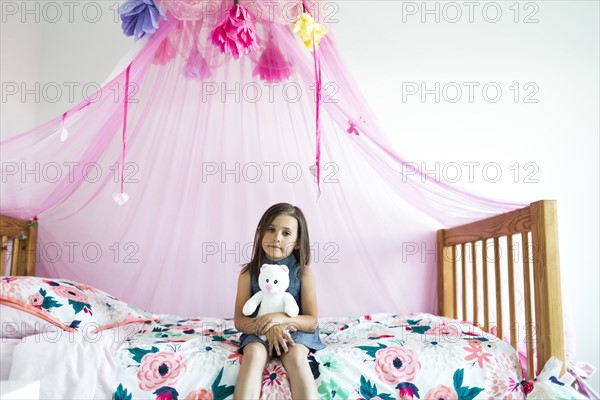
(537, 227)
(19, 239)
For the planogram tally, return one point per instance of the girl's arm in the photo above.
(306, 322)
(244, 292)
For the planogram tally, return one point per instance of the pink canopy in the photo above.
(210, 143)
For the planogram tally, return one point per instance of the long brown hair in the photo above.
(302, 253)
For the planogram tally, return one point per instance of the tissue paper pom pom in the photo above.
(236, 35)
(305, 26)
(165, 53)
(140, 17)
(196, 67)
(272, 66)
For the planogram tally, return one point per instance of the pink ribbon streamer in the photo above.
(580, 375)
(317, 64)
(123, 136)
(125, 104)
(64, 116)
(317, 113)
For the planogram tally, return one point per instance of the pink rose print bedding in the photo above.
(380, 356)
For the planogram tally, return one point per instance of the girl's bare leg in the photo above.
(302, 382)
(249, 380)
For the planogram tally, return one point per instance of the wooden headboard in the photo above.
(478, 258)
(19, 237)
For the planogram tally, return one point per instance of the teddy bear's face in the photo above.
(274, 278)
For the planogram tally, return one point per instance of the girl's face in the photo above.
(280, 238)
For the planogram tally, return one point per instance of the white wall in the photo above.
(544, 149)
(20, 62)
(57, 53)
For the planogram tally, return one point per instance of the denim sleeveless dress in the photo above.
(310, 340)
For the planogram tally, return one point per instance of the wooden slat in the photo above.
(463, 288)
(3, 256)
(528, 315)
(475, 285)
(486, 301)
(498, 288)
(501, 225)
(446, 274)
(14, 267)
(512, 316)
(454, 284)
(30, 251)
(546, 270)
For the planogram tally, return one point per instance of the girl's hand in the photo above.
(277, 337)
(263, 323)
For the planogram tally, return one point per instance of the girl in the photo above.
(281, 238)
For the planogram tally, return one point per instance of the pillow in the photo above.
(71, 306)
(17, 324)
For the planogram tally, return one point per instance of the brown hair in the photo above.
(302, 253)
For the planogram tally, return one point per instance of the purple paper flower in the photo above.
(140, 17)
(236, 34)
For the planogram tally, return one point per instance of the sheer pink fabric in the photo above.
(210, 146)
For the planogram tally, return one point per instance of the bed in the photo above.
(123, 352)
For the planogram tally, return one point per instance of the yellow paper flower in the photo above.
(305, 26)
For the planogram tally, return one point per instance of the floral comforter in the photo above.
(380, 356)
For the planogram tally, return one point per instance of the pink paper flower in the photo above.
(272, 66)
(165, 53)
(197, 67)
(236, 35)
(36, 300)
(396, 364)
(441, 392)
(160, 369)
(71, 293)
(200, 394)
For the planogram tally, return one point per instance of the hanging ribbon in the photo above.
(580, 373)
(122, 197)
(317, 65)
(125, 105)
(64, 134)
(317, 113)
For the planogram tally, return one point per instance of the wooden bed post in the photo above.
(30, 250)
(446, 278)
(23, 251)
(547, 292)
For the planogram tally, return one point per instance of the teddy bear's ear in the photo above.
(263, 267)
(285, 268)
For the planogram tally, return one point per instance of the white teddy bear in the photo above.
(273, 281)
